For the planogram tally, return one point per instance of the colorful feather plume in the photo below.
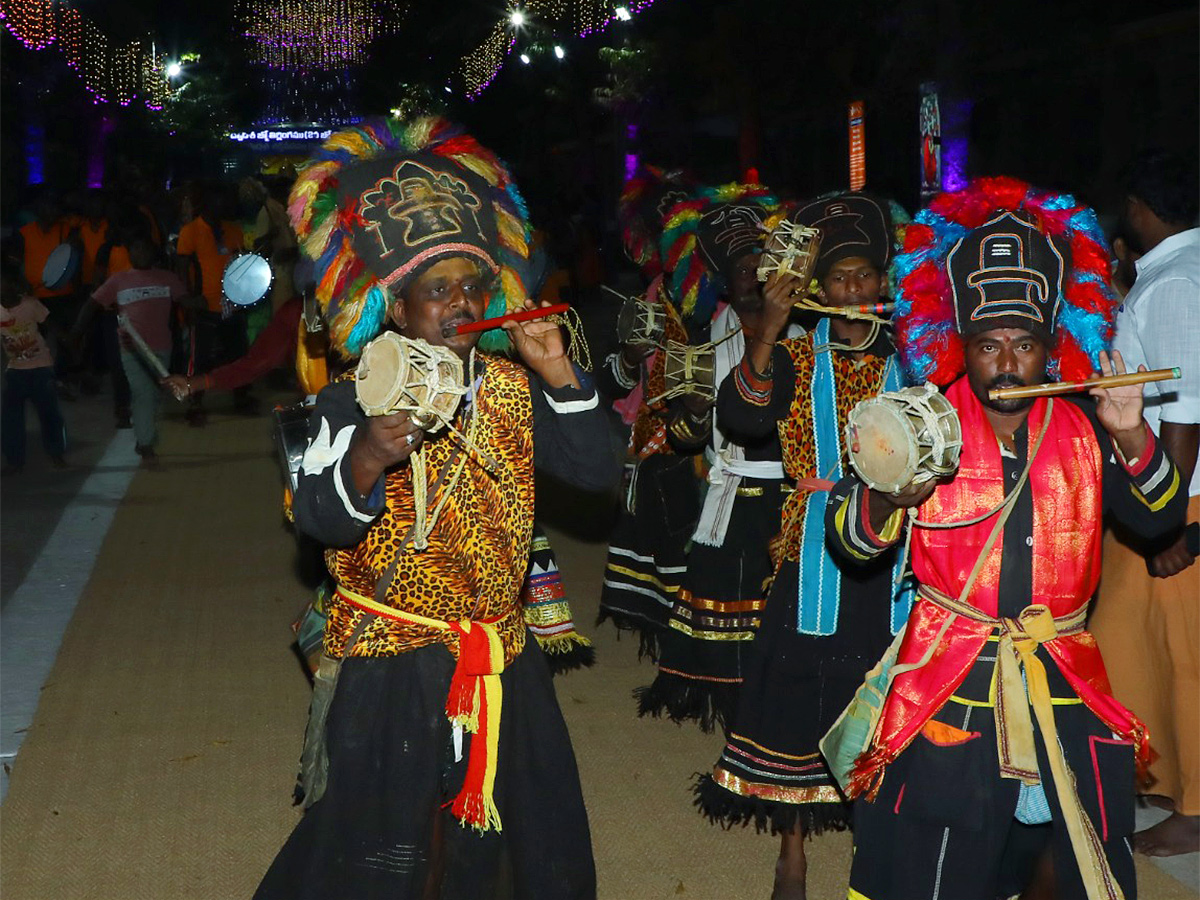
(926, 335)
(354, 300)
(694, 287)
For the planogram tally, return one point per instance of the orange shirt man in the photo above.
(197, 240)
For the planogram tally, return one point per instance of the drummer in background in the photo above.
(714, 240)
(957, 770)
(413, 806)
(206, 245)
(272, 237)
(32, 245)
(825, 623)
(146, 295)
(647, 551)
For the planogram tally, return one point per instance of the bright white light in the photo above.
(559, 51)
(447, 89)
(623, 13)
(517, 18)
(525, 58)
(174, 70)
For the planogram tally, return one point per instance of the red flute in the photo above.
(523, 316)
(875, 308)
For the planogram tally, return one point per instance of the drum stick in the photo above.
(523, 316)
(1068, 387)
(142, 348)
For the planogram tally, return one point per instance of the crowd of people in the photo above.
(75, 261)
(978, 670)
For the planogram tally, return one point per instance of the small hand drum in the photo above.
(689, 370)
(61, 266)
(400, 374)
(791, 249)
(247, 279)
(903, 437)
(640, 324)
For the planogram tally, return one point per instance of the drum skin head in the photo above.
(397, 374)
(380, 375)
(882, 446)
(247, 279)
(61, 266)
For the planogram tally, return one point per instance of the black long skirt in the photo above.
(771, 771)
(383, 828)
(647, 555)
(704, 650)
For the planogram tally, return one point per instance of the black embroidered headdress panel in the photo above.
(851, 225)
(411, 211)
(1007, 274)
(728, 232)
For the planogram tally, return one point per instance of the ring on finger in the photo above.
(409, 438)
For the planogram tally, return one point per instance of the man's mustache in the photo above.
(449, 328)
(1005, 381)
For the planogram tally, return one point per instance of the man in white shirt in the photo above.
(1147, 618)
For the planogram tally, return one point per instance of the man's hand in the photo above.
(387, 441)
(697, 406)
(1173, 560)
(540, 343)
(1119, 409)
(179, 385)
(632, 355)
(881, 506)
(779, 296)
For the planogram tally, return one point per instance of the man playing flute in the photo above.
(445, 760)
(999, 733)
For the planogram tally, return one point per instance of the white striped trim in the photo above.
(573, 406)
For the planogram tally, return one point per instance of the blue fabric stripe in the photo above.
(819, 578)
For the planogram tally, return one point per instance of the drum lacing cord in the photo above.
(425, 522)
(875, 321)
(686, 386)
(424, 409)
(577, 343)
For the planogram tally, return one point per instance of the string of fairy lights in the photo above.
(298, 37)
(311, 35)
(564, 18)
(121, 73)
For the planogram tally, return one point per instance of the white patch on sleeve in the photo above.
(573, 406)
(321, 454)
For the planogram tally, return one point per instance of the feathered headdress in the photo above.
(698, 234)
(645, 200)
(444, 195)
(926, 329)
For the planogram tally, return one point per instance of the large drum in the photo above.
(904, 437)
(291, 437)
(791, 249)
(400, 374)
(689, 370)
(61, 266)
(247, 279)
(640, 324)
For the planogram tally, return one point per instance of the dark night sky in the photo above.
(1062, 89)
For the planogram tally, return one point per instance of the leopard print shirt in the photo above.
(855, 380)
(478, 552)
